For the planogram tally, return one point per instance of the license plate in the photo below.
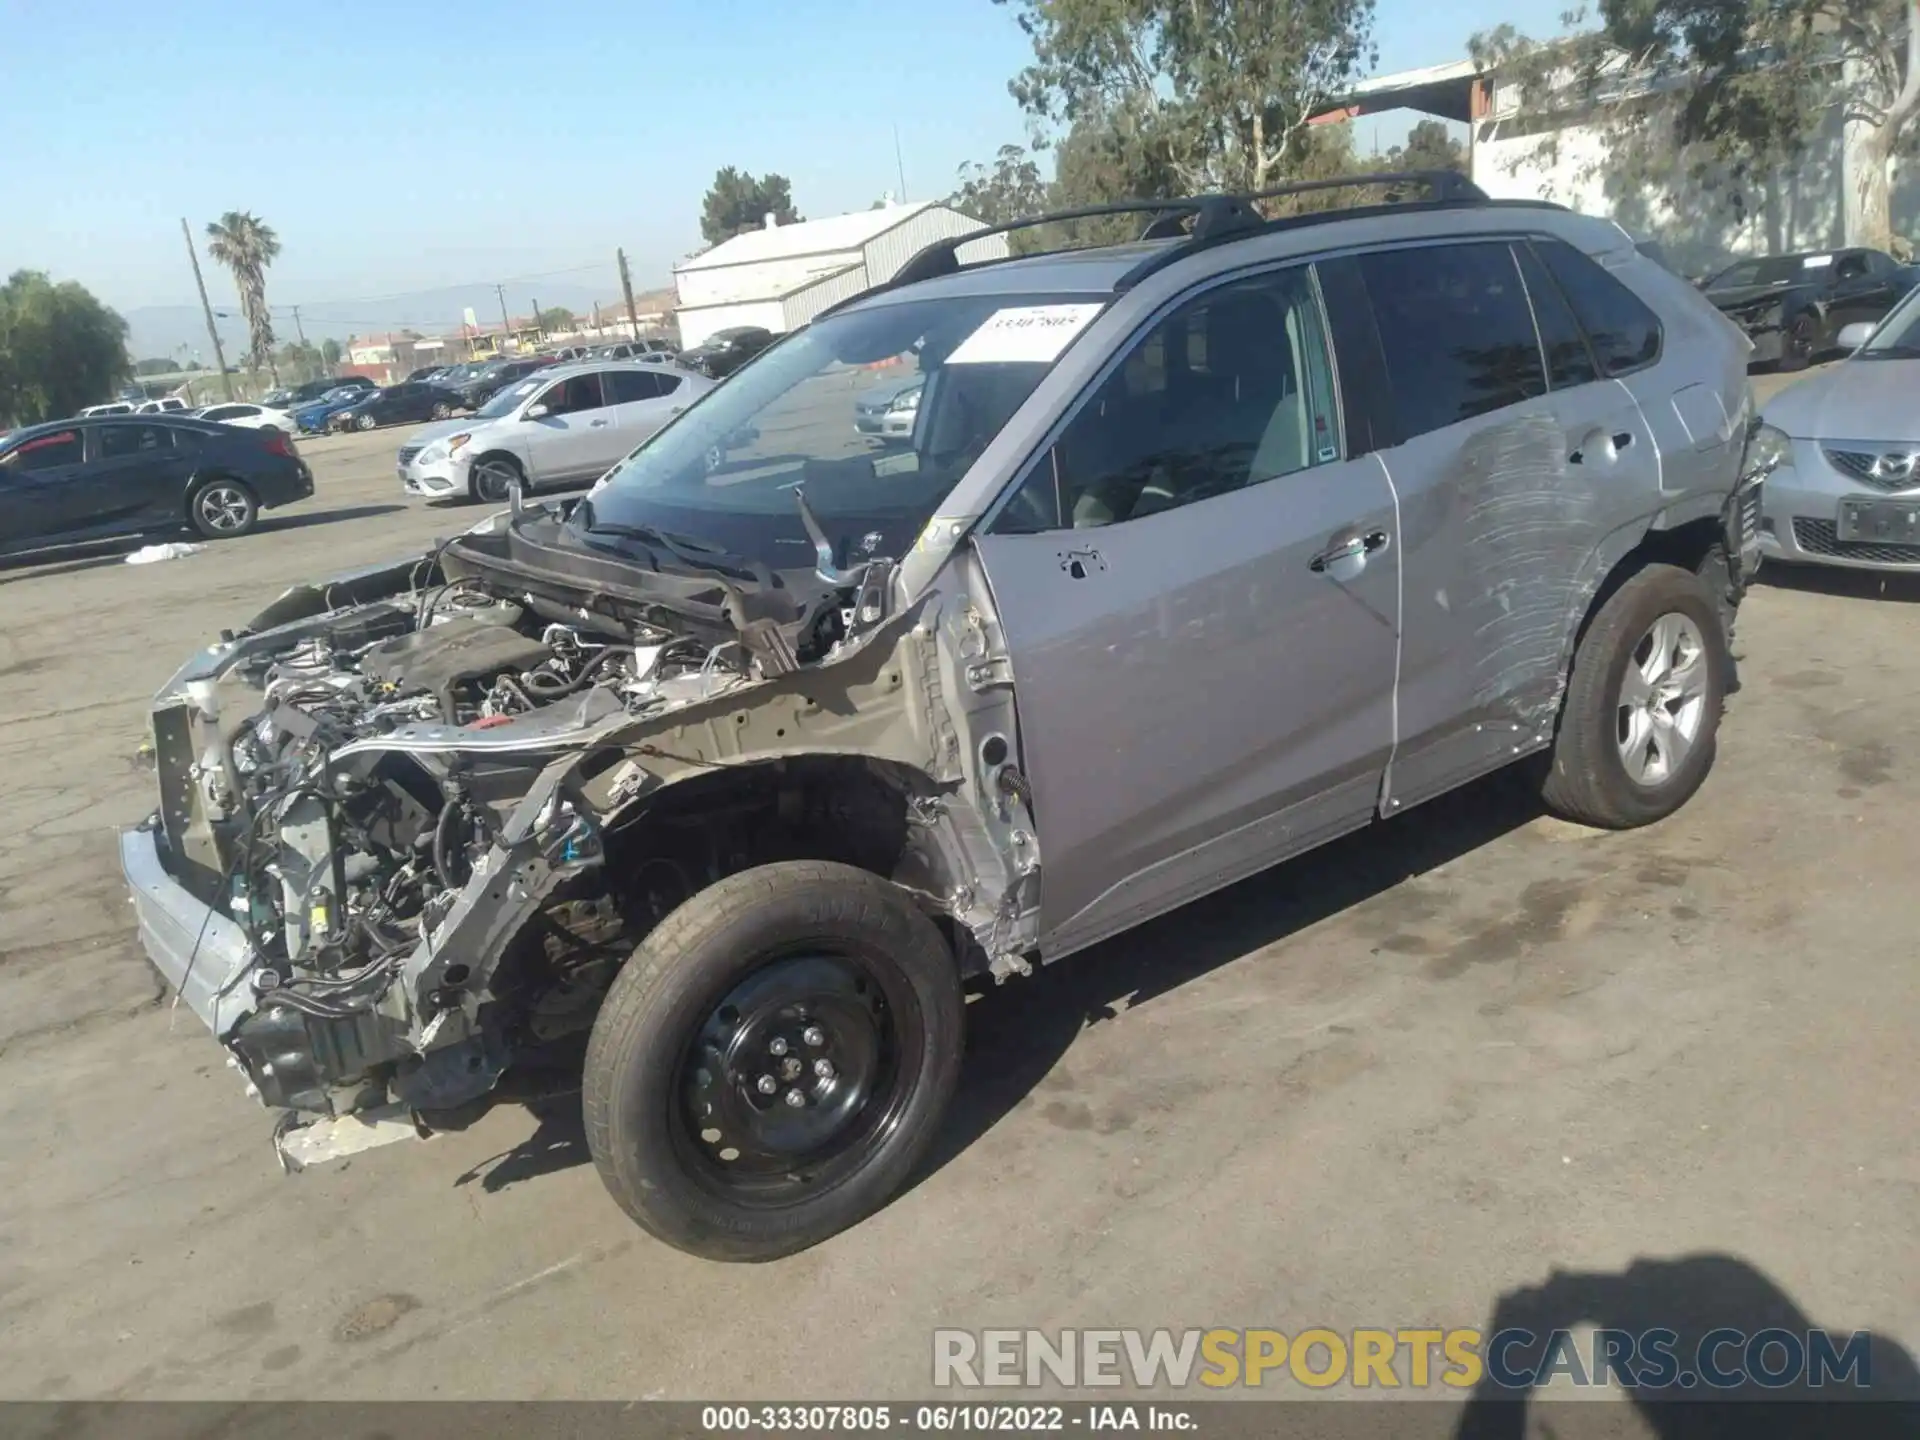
(1894, 522)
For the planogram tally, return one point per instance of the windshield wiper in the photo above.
(696, 554)
(823, 565)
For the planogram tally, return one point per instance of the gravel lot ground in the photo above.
(1385, 1085)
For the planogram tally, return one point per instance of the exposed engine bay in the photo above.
(429, 825)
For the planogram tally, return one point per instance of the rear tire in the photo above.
(222, 509)
(727, 1012)
(1642, 710)
(441, 410)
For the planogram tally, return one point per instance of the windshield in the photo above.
(1776, 270)
(508, 400)
(814, 412)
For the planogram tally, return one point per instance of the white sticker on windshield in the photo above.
(1026, 333)
(1814, 262)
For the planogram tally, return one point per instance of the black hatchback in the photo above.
(76, 480)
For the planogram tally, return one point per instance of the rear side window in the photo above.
(1456, 330)
(624, 386)
(117, 442)
(1569, 362)
(1624, 332)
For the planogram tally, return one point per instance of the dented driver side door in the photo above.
(1506, 486)
(1198, 589)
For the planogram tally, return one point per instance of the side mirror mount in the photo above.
(536, 412)
(1853, 336)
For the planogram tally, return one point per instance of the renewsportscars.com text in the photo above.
(1416, 1359)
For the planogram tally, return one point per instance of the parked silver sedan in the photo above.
(1847, 488)
(564, 425)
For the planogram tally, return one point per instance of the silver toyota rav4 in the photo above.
(1203, 550)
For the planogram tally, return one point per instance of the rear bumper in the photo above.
(202, 954)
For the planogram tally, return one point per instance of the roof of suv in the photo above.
(1107, 269)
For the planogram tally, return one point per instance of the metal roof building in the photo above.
(781, 277)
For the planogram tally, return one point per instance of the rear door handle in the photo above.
(1355, 547)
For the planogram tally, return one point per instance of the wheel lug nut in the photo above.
(814, 1036)
(823, 1067)
(795, 1099)
(766, 1084)
(776, 1046)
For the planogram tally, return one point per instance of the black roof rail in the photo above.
(942, 257)
(1208, 220)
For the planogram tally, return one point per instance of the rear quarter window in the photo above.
(1624, 331)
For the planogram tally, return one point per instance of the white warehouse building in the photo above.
(780, 277)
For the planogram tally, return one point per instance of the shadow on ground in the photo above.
(303, 519)
(1846, 584)
(1711, 1308)
(1017, 1033)
(91, 555)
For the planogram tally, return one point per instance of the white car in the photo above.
(561, 426)
(166, 404)
(112, 407)
(247, 416)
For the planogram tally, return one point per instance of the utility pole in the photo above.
(206, 308)
(506, 322)
(626, 288)
(900, 164)
(538, 329)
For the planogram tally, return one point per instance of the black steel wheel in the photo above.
(774, 1060)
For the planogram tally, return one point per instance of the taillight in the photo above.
(279, 444)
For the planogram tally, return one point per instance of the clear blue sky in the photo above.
(405, 146)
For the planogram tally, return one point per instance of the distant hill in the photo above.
(162, 329)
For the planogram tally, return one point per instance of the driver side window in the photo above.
(1232, 389)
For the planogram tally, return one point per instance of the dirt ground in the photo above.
(1385, 1085)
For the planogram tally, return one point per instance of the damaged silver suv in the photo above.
(1202, 550)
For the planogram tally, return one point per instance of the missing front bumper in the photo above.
(202, 954)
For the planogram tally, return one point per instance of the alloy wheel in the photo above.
(1663, 700)
(224, 509)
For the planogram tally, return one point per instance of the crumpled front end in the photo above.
(411, 826)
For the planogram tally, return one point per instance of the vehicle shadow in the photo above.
(1845, 584)
(303, 519)
(1692, 1297)
(1017, 1033)
(67, 560)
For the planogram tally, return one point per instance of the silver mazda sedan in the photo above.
(1846, 489)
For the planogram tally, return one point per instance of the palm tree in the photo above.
(246, 246)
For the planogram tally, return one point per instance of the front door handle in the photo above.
(598, 424)
(1354, 547)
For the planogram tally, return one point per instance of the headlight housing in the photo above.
(1768, 448)
(455, 443)
(906, 402)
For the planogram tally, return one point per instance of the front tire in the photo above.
(222, 509)
(492, 477)
(774, 1061)
(365, 422)
(1642, 713)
